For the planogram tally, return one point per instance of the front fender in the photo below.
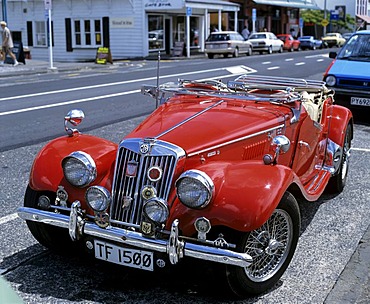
(246, 194)
(341, 117)
(47, 174)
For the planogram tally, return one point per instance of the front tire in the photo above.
(338, 182)
(271, 246)
(54, 238)
(236, 53)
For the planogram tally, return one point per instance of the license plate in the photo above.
(123, 256)
(358, 101)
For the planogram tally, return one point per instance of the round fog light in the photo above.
(98, 198)
(156, 210)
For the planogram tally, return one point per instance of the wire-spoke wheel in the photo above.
(271, 246)
(338, 181)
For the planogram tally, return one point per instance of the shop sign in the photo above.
(163, 4)
(123, 22)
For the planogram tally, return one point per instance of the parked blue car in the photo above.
(309, 42)
(349, 73)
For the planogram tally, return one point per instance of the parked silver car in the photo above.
(266, 42)
(227, 43)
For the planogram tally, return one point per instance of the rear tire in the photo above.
(210, 56)
(236, 53)
(271, 246)
(269, 50)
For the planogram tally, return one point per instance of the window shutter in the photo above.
(29, 33)
(106, 32)
(68, 27)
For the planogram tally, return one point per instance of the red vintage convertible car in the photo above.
(214, 173)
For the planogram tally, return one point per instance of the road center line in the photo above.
(111, 84)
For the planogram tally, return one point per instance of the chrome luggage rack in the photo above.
(283, 89)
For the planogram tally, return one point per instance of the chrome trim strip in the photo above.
(190, 118)
(127, 237)
(236, 140)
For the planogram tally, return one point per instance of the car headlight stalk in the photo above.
(195, 189)
(79, 169)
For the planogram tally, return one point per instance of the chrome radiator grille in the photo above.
(131, 176)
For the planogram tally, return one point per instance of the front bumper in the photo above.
(173, 246)
(343, 96)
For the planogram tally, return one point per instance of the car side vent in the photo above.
(255, 150)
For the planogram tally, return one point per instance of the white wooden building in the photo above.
(130, 28)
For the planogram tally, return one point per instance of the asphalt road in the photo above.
(332, 229)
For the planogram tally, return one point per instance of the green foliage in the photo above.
(316, 16)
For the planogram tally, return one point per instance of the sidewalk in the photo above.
(33, 66)
(353, 285)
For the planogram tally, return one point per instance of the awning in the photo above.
(199, 6)
(306, 4)
(212, 5)
(366, 18)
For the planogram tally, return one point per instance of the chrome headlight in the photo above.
(194, 189)
(331, 80)
(156, 210)
(98, 198)
(79, 169)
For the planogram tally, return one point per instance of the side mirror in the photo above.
(332, 55)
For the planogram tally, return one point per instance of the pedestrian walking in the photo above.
(7, 44)
(245, 33)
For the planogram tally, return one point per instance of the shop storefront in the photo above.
(169, 21)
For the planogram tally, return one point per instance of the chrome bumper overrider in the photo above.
(174, 246)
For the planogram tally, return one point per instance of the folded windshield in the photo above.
(357, 48)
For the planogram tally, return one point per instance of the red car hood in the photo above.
(197, 123)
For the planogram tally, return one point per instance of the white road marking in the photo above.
(112, 84)
(8, 218)
(289, 59)
(233, 70)
(300, 63)
(68, 102)
(319, 60)
(266, 62)
(273, 68)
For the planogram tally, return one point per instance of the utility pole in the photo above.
(324, 30)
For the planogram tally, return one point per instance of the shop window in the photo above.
(87, 33)
(180, 29)
(156, 32)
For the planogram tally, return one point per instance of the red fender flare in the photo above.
(246, 194)
(47, 174)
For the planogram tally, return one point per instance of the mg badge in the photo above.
(144, 148)
(131, 169)
(365, 84)
(126, 202)
(146, 228)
